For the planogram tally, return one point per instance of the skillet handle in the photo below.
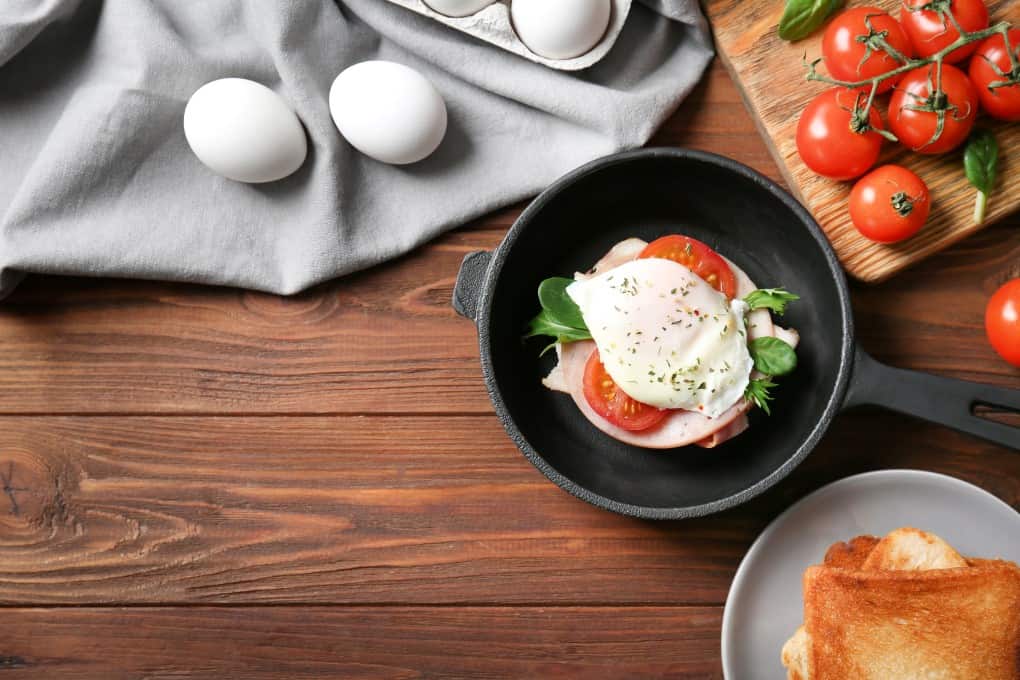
(940, 400)
(470, 280)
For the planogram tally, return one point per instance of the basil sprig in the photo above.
(801, 18)
(772, 356)
(757, 392)
(775, 299)
(981, 164)
(560, 317)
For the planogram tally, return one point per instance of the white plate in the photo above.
(764, 605)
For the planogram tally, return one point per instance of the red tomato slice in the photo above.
(612, 403)
(697, 257)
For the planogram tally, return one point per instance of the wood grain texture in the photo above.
(771, 76)
(427, 510)
(359, 642)
(335, 455)
(385, 341)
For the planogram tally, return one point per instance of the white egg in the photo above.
(244, 131)
(458, 8)
(388, 111)
(560, 29)
(666, 337)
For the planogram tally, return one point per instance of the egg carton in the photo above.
(492, 24)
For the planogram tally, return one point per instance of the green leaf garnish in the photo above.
(980, 163)
(801, 18)
(560, 317)
(757, 392)
(552, 294)
(775, 299)
(547, 324)
(772, 356)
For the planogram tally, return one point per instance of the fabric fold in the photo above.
(96, 177)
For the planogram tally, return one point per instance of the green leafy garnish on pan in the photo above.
(560, 317)
(772, 356)
(775, 299)
(757, 392)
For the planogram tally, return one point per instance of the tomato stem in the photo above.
(902, 203)
(1014, 54)
(1008, 78)
(875, 41)
(910, 64)
(937, 101)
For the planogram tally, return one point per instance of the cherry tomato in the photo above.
(1002, 321)
(930, 32)
(844, 52)
(612, 403)
(826, 138)
(697, 257)
(991, 65)
(917, 129)
(889, 204)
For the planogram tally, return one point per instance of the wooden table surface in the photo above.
(201, 482)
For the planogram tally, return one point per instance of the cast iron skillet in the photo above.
(747, 218)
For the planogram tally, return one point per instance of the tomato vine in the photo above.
(937, 101)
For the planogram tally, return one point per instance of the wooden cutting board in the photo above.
(770, 75)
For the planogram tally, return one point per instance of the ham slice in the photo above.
(736, 426)
(624, 251)
(678, 428)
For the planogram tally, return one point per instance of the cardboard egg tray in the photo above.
(493, 25)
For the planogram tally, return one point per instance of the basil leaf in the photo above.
(981, 160)
(552, 293)
(546, 323)
(980, 163)
(757, 392)
(772, 356)
(801, 18)
(775, 299)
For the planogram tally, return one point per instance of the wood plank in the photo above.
(372, 642)
(385, 340)
(771, 76)
(426, 510)
(713, 118)
(90, 346)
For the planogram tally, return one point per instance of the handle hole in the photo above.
(997, 414)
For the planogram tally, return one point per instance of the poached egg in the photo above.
(666, 337)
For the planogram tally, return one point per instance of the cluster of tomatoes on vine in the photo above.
(935, 100)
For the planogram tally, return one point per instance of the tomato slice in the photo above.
(612, 403)
(697, 257)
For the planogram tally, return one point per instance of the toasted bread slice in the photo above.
(795, 655)
(952, 624)
(949, 617)
(913, 549)
(852, 554)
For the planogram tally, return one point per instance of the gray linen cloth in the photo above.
(96, 177)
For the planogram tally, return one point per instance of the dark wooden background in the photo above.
(202, 482)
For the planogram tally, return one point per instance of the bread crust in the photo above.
(889, 609)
